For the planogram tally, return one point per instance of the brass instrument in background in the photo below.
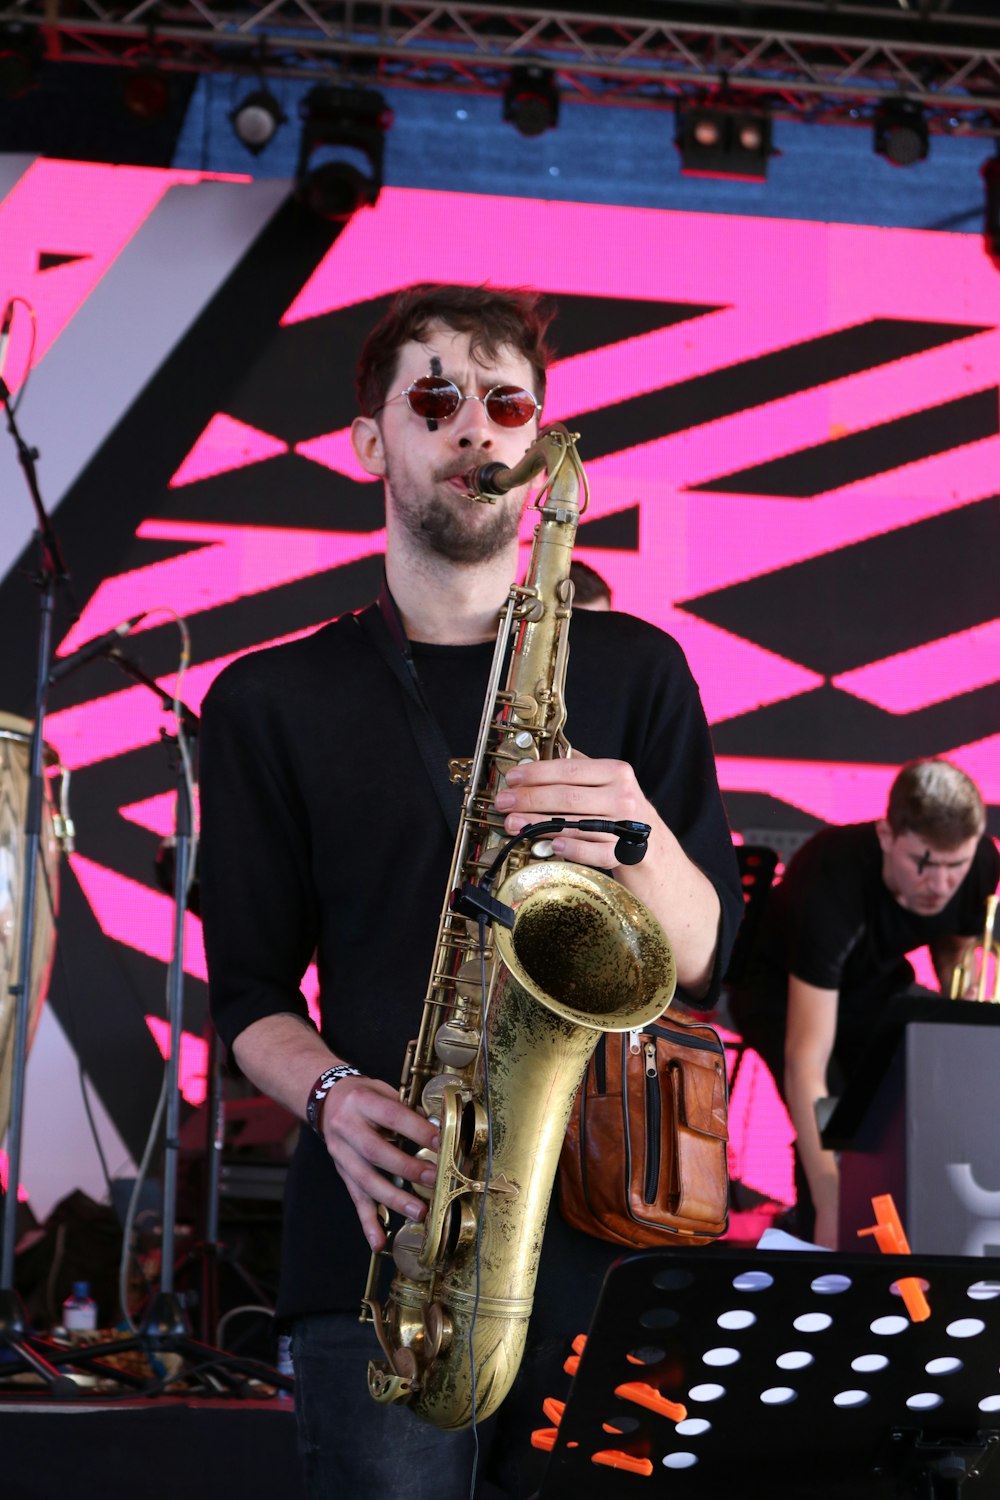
(499, 1074)
(56, 838)
(970, 978)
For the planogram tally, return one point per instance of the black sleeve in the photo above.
(677, 773)
(981, 882)
(258, 905)
(821, 934)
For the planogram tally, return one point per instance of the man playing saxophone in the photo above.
(322, 835)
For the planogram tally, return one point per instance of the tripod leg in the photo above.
(15, 1337)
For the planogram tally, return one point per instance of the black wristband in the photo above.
(320, 1089)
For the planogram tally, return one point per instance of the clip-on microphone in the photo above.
(474, 900)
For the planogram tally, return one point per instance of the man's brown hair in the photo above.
(493, 317)
(936, 801)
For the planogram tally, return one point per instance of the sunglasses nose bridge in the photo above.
(472, 417)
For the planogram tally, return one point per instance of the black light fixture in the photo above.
(531, 100)
(723, 140)
(900, 132)
(256, 119)
(146, 93)
(341, 149)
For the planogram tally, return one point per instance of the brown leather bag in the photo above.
(644, 1161)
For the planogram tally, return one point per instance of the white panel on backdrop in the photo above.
(122, 333)
(58, 1152)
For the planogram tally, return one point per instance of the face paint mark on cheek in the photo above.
(923, 861)
(432, 425)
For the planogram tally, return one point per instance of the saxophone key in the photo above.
(432, 1097)
(514, 750)
(407, 1245)
(424, 1190)
(456, 1045)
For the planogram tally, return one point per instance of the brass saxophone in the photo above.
(499, 1073)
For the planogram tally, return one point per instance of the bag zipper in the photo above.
(652, 1121)
(706, 1045)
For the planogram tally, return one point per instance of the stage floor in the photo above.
(184, 1449)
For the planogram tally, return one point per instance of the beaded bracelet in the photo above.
(320, 1089)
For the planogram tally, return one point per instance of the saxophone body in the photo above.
(497, 1065)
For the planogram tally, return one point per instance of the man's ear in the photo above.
(886, 837)
(366, 440)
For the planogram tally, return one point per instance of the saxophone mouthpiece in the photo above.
(490, 482)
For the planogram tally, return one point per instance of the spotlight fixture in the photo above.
(723, 140)
(340, 153)
(900, 132)
(146, 93)
(531, 100)
(256, 119)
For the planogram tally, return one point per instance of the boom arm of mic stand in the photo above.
(190, 723)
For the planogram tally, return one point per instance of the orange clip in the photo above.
(891, 1240)
(544, 1438)
(644, 1395)
(573, 1360)
(613, 1458)
(553, 1409)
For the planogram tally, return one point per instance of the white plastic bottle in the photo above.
(79, 1311)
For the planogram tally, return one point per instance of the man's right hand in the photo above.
(360, 1117)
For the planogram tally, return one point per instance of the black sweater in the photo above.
(321, 836)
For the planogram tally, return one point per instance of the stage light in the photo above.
(900, 132)
(146, 93)
(340, 153)
(531, 100)
(723, 140)
(256, 119)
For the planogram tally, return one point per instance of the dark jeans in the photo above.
(353, 1447)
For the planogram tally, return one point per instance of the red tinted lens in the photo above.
(434, 397)
(509, 405)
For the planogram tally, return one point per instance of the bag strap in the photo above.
(383, 626)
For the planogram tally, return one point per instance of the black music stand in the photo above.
(925, 1423)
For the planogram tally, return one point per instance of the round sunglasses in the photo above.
(436, 399)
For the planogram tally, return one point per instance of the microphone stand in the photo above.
(51, 575)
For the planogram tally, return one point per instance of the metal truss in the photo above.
(814, 59)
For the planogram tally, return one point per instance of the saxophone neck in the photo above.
(553, 451)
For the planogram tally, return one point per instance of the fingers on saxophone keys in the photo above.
(395, 1193)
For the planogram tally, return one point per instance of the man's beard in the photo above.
(442, 529)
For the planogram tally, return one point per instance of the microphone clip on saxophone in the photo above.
(475, 898)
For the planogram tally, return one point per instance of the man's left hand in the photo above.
(575, 788)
